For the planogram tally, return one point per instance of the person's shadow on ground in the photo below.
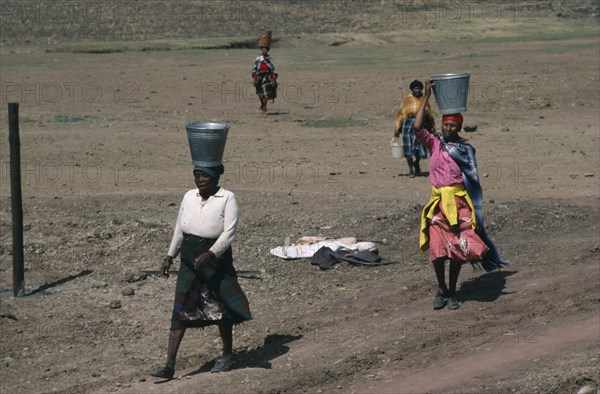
(485, 288)
(422, 174)
(274, 346)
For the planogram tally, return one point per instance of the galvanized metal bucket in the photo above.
(207, 143)
(451, 92)
(396, 148)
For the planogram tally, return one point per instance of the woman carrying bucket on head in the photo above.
(452, 221)
(207, 292)
(412, 148)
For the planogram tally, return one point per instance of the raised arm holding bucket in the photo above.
(452, 222)
(207, 292)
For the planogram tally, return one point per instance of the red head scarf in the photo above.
(457, 118)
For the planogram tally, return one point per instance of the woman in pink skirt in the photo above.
(451, 222)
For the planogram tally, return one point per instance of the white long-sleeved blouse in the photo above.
(216, 217)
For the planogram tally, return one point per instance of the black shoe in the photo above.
(222, 365)
(164, 372)
(439, 301)
(453, 303)
(411, 175)
(417, 168)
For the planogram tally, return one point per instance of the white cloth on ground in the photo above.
(306, 251)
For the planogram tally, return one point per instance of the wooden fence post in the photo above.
(16, 199)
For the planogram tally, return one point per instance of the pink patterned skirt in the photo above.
(457, 242)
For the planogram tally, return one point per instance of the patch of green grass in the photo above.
(73, 119)
(166, 46)
(334, 123)
(540, 32)
(515, 118)
(228, 122)
(331, 58)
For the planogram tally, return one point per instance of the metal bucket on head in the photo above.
(207, 143)
(451, 92)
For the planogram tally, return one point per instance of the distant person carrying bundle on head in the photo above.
(265, 78)
(412, 148)
(452, 221)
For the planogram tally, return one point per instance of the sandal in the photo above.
(222, 365)
(164, 371)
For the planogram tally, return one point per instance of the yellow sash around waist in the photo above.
(445, 194)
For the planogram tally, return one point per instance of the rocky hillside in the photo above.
(52, 22)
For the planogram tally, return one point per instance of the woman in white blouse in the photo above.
(207, 292)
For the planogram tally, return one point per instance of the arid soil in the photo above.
(105, 162)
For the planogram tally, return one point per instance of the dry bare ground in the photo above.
(104, 100)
